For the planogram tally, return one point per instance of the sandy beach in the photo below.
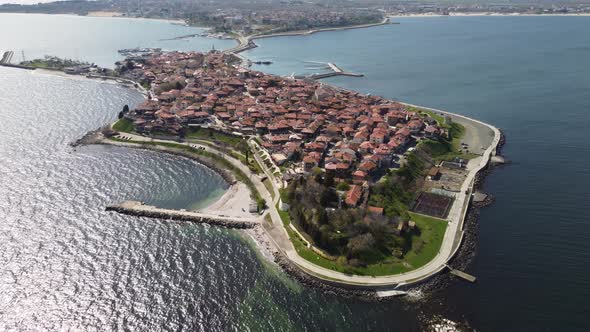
(234, 203)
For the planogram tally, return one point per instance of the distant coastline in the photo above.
(247, 42)
(108, 15)
(480, 14)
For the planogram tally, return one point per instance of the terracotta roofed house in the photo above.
(353, 195)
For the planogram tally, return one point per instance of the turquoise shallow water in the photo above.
(68, 264)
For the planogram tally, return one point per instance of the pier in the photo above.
(391, 293)
(136, 208)
(461, 274)
(334, 71)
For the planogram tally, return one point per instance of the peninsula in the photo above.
(349, 188)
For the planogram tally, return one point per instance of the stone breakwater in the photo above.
(138, 209)
(91, 137)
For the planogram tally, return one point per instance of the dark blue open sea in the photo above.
(66, 264)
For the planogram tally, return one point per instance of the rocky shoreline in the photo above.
(91, 137)
(309, 281)
(468, 249)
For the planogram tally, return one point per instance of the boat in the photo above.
(265, 62)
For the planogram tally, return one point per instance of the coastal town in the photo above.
(342, 183)
(303, 125)
(363, 181)
(329, 182)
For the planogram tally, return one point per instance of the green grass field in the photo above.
(124, 125)
(425, 247)
(213, 136)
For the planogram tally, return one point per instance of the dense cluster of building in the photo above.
(289, 18)
(302, 124)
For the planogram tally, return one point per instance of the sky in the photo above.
(24, 2)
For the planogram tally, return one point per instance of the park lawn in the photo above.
(251, 162)
(124, 125)
(268, 218)
(425, 247)
(39, 64)
(214, 136)
(445, 150)
(302, 249)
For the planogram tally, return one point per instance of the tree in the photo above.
(342, 186)
(360, 244)
(342, 261)
(124, 111)
(261, 203)
(329, 180)
(243, 147)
